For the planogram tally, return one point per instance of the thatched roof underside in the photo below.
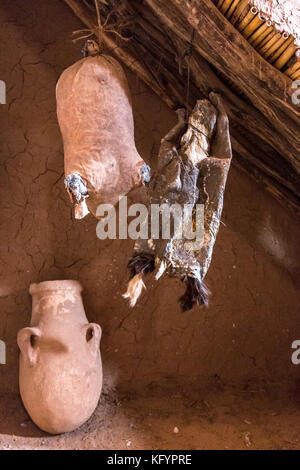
(284, 14)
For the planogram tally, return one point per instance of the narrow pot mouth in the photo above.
(55, 286)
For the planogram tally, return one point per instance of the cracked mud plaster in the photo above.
(254, 315)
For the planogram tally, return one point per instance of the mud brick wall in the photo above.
(247, 332)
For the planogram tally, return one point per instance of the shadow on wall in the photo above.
(267, 226)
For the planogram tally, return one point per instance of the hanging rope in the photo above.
(188, 55)
(100, 29)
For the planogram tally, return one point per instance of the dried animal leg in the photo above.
(193, 163)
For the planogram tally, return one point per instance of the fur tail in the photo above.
(134, 289)
(139, 264)
(196, 293)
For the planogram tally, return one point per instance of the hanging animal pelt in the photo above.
(96, 122)
(193, 163)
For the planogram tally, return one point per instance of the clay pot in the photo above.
(60, 363)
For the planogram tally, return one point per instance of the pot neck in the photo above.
(56, 305)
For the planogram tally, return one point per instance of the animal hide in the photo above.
(96, 122)
(193, 163)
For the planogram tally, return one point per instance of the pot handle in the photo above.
(93, 334)
(26, 342)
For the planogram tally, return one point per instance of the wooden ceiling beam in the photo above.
(202, 24)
